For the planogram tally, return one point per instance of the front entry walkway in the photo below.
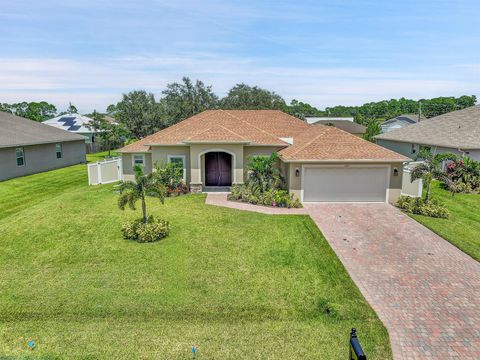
(425, 290)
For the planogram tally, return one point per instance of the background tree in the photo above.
(373, 128)
(143, 186)
(245, 97)
(140, 114)
(109, 134)
(182, 100)
(301, 110)
(37, 111)
(70, 110)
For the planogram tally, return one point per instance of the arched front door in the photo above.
(218, 169)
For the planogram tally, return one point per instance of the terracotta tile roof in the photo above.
(261, 127)
(322, 142)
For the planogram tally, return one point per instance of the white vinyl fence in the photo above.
(413, 189)
(104, 172)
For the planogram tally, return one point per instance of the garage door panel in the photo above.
(345, 184)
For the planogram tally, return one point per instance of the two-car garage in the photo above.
(345, 183)
(326, 164)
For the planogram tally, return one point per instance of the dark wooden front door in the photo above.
(218, 169)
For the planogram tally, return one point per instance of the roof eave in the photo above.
(317, 161)
(3, 146)
(450, 146)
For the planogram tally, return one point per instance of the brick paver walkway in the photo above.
(220, 199)
(425, 290)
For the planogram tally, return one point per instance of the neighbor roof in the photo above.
(405, 118)
(327, 143)
(18, 131)
(458, 129)
(256, 127)
(345, 125)
(75, 123)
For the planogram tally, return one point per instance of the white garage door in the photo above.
(354, 184)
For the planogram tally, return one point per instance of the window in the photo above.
(20, 155)
(179, 160)
(58, 151)
(138, 159)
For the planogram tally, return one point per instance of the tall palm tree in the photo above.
(431, 168)
(144, 185)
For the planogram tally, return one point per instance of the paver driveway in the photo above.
(425, 290)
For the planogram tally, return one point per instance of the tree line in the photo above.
(140, 114)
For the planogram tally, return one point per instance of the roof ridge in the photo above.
(214, 126)
(309, 142)
(250, 124)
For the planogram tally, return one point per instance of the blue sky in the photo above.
(323, 52)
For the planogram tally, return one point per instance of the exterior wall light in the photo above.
(297, 172)
(395, 172)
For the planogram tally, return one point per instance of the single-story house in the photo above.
(400, 122)
(314, 119)
(345, 125)
(319, 163)
(457, 132)
(28, 147)
(74, 123)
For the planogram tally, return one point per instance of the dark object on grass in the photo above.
(356, 351)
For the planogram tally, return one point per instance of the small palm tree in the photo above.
(144, 185)
(431, 168)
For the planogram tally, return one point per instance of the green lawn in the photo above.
(462, 229)
(235, 284)
(100, 156)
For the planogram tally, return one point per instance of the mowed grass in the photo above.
(100, 156)
(237, 285)
(462, 229)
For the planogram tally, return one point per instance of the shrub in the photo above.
(419, 206)
(153, 230)
(176, 191)
(170, 175)
(264, 185)
(271, 197)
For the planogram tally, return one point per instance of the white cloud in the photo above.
(95, 83)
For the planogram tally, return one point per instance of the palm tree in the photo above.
(263, 172)
(144, 185)
(431, 168)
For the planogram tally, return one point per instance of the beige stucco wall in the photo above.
(249, 151)
(295, 183)
(127, 165)
(39, 158)
(161, 154)
(196, 154)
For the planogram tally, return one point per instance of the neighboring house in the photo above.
(314, 119)
(28, 147)
(74, 123)
(319, 163)
(457, 132)
(400, 122)
(345, 125)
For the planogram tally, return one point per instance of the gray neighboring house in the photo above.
(28, 147)
(457, 132)
(400, 122)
